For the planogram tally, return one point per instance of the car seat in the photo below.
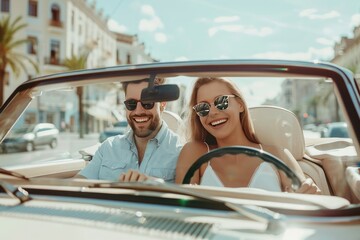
(280, 133)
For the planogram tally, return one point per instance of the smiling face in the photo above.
(220, 123)
(144, 122)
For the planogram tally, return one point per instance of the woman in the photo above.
(219, 117)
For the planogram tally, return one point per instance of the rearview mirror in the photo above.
(160, 93)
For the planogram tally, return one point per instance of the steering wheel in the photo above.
(265, 156)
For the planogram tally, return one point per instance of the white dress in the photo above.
(264, 177)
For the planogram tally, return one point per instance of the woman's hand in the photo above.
(308, 186)
(133, 176)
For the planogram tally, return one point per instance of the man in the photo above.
(149, 149)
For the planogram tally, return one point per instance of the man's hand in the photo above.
(133, 176)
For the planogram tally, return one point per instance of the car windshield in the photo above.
(24, 129)
(102, 112)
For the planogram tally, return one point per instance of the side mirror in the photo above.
(160, 93)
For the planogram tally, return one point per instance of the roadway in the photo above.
(69, 145)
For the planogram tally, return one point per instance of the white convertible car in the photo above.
(40, 199)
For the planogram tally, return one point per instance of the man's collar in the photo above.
(159, 137)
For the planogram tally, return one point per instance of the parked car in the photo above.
(41, 198)
(28, 137)
(119, 128)
(335, 129)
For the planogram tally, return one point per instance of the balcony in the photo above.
(53, 61)
(55, 23)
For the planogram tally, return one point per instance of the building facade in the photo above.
(58, 30)
(347, 53)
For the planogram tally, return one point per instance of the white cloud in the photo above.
(224, 19)
(148, 10)
(160, 37)
(311, 54)
(261, 32)
(355, 20)
(312, 14)
(152, 23)
(307, 12)
(115, 26)
(325, 41)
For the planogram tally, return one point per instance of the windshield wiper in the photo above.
(13, 174)
(15, 192)
(275, 221)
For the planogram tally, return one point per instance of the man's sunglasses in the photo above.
(222, 102)
(131, 104)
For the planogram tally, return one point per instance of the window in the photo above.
(72, 49)
(32, 45)
(80, 25)
(55, 52)
(72, 20)
(118, 56)
(55, 16)
(55, 13)
(33, 8)
(5, 6)
(128, 59)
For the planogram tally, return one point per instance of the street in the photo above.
(68, 145)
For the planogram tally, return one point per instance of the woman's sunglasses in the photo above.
(131, 104)
(222, 102)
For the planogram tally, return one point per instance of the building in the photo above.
(312, 102)
(324, 107)
(60, 29)
(130, 51)
(347, 53)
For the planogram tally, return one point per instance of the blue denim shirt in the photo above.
(119, 154)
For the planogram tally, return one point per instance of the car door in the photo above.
(42, 136)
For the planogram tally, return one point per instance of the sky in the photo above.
(177, 30)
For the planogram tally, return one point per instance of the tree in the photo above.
(77, 63)
(8, 54)
(314, 102)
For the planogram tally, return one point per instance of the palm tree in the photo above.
(77, 63)
(8, 54)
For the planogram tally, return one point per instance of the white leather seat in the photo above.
(174, 122)
(280, 133)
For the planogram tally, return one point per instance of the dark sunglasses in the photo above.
(221, 102)
(131, 104)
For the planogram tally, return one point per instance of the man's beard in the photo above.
(144, 132)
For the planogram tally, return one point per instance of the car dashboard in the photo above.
(152, 212)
